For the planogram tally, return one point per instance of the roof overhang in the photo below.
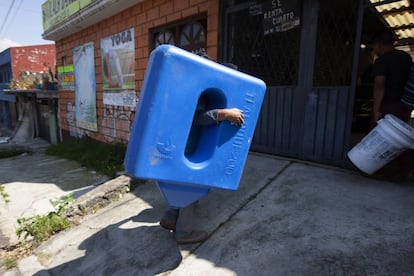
(97, 11)
(398, 15)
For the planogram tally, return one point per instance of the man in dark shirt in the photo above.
(390, 73)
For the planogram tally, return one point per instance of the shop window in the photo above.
(193, 38)
(4, 75)
(271, 56)
(335, 42)
(64, 60)
(189, 35)
(164, 37)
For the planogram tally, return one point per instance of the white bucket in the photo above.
(385, 142)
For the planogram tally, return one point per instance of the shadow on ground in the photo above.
(121, 248)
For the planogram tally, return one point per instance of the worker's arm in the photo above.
(233, 115)
(215, 116)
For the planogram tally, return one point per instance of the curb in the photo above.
(88, 203)
(99, 197)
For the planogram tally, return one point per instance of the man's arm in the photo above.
(233, 115)
(215, 116)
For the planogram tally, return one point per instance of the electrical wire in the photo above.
(16, 10)
(7, 15)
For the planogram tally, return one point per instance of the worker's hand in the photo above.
(233, 115)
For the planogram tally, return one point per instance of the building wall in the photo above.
(6, 75)
(29, 59)
(114, 122)
(34, 58)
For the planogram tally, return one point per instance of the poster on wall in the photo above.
(66, 77)
(280, 15)
(118, 68)
(85, 86)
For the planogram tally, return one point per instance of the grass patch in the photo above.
(40, 228)
(10, 263)
(106, 159)
(6, 153)
(3, 194)
(10, 255)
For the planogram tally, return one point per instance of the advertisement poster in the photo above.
(66, 77)
(118, 68)
(85, 87)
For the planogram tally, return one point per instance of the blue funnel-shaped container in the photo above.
(174, 83)
(178, 195)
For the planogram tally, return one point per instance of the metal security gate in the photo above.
(309, 69)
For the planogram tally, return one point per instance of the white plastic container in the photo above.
(385, 142)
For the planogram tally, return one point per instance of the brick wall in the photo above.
(114, 122)
(36, 58)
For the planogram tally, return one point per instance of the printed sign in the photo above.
(121, 98)
(66, 77)
(280, 15)
(56, 11)
(85, 3)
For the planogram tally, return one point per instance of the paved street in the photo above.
(287, 218)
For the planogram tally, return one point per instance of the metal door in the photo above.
(309, 70)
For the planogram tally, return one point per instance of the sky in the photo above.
(21, 23)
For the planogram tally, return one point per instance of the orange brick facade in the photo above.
(114, 122)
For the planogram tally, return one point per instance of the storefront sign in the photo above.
(85, 3)
(56, 11)
(280, 15)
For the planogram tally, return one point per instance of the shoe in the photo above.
(166, 224)
(193, 237)
(169, 219)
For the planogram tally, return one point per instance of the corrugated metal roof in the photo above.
(399, 15)
(383, 5)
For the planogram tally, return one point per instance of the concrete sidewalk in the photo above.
(287, 218)
(32, 181)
